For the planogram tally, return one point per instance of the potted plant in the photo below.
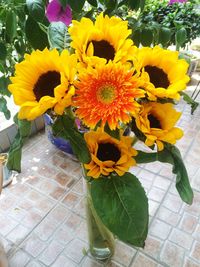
(167, 23)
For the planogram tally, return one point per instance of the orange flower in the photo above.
(107, 93)
(109, 154)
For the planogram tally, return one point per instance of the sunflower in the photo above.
(156, 121)
(43, 80)
(108, 154)
(166, 73)
(101, 41)
(107, 93)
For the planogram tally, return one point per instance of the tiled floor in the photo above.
(42, 218)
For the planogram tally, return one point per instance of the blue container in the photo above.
(59, 142)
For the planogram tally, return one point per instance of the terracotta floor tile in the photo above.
(161, 182)
(153, 207)
(64, 234)
(147, 175)
(160, 229)
(6, 225)
(156, 194)
(141, 260)
(196, 233)
(75, 250)
(172, 255)
(9, 247)
(73, 221)
(88, 262)
(32, 218)
(113, 263)
(172, 203)
(58, 214)
(17, 213)
(82, 231)
(18, 234)
(78, 187)
(64, 180)
(46, 171)
(33, 245)
(188, 223)
(51, 253)
(44, 205)
(168, 216)
(20, 259)
(190, 263)
(63, 261)
(152, 246)
(181, 238)
(30, 179)
(80, 208)
(58, 192)
(34, 264)
(45, 229)
(196, 251)
(71, 199)
(123, 253)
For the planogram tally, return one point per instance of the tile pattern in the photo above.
(42, 216)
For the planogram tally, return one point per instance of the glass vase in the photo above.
(101, 240)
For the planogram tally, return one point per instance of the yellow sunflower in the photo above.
(101, 41)
(107, 93)
(43, 80)
(108, 154)
(156, 121)
(166, 73)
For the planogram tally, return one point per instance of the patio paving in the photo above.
(42, 216)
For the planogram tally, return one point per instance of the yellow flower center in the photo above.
(106, 94)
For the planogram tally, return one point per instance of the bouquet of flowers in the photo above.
(120, 95)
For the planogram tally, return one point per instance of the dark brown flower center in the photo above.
(108, 151)
(45, 84)
(103, 49)
(157, 76)
(154, 122)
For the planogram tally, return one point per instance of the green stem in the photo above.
(100, 237)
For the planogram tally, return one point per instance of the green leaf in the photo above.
(134, 4)
(114, 133)
(63, 3)
(171, 155)
(122, 205)
(65, 127)
(37, 38)
(58, 35)
(180, 36)
(4, 81)
(36, 9)
(15, 152)
(189, 101)
(136, 37)
(3, 51)
(142, 4)
(92, 2)
(2, 69)
(146, 37)
(11, 25)
(76, 5)
(3, 108)
(110, 5)
(164, 36)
